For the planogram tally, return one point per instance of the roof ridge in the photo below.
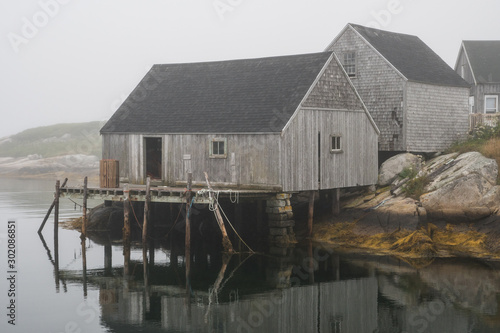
(244, 59)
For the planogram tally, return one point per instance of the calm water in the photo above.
(304, 289)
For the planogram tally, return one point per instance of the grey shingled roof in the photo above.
(484, 58)
(411, 56)
(237, 96)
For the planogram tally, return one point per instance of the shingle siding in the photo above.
(437, 116)
(380, 87)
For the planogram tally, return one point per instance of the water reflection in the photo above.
(305, 289)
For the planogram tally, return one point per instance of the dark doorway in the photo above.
(153, 157)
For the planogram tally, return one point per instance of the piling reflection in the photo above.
(309, 288)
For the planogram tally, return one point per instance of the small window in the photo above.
(350, 63)
(336, 144)
(490, 104)
(218, 148)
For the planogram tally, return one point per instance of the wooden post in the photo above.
(228, 247)
(188, 232)
(145, 231)
(126, 230)
(50, 210)
(336, 202)
(56, 234)
(84, 266)
(311, 214)
(84, 222)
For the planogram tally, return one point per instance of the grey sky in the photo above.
(76, 60)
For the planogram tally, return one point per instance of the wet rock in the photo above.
(391, 168)
(103, 218)
(395, 214)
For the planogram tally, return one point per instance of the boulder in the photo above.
(461, 188)
(449, 168)
(392, 215)
(390, 169)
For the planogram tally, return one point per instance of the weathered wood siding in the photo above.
(355, 165)
(485, 89)
(380, 87)
(437, 116)
(332, 108)
(251, 158)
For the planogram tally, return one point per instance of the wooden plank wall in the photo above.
(357, 164)
(251, 159)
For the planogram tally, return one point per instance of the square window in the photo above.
(490, 104)
(218, 148)
(350, 63)
(336, 144)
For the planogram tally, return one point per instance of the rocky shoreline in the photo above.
(447, 206)
(74, 166)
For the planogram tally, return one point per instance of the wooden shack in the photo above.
(418, 102)
(288, 123)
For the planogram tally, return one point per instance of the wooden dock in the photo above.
(163, 194)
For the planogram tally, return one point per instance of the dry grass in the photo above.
(491, 149)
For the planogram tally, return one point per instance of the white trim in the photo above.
(496, 103)
(468, 62)
(210, 147)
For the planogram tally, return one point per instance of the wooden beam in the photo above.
(311, 213)
(145, 232)
(188, 233)
(56, 235)
(336, 202)
(126, 230)
(228, 247)
(84, 217)
(50, 210)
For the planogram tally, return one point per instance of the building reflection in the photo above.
(304, 289)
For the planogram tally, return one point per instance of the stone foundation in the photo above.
(280, 219)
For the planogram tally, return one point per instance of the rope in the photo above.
(77, 204)
(217, 203)
(236, 197)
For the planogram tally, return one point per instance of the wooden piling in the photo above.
(126, 230)
(336, 202)
(228, 247)
(56, 234)
(311, 213)
(50, 210)
(145, 229)
(84, 217)
(188, 232)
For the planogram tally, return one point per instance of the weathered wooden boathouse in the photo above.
(419, 103)
(271, 126)
(286, 124)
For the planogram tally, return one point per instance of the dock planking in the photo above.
(162, 194)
